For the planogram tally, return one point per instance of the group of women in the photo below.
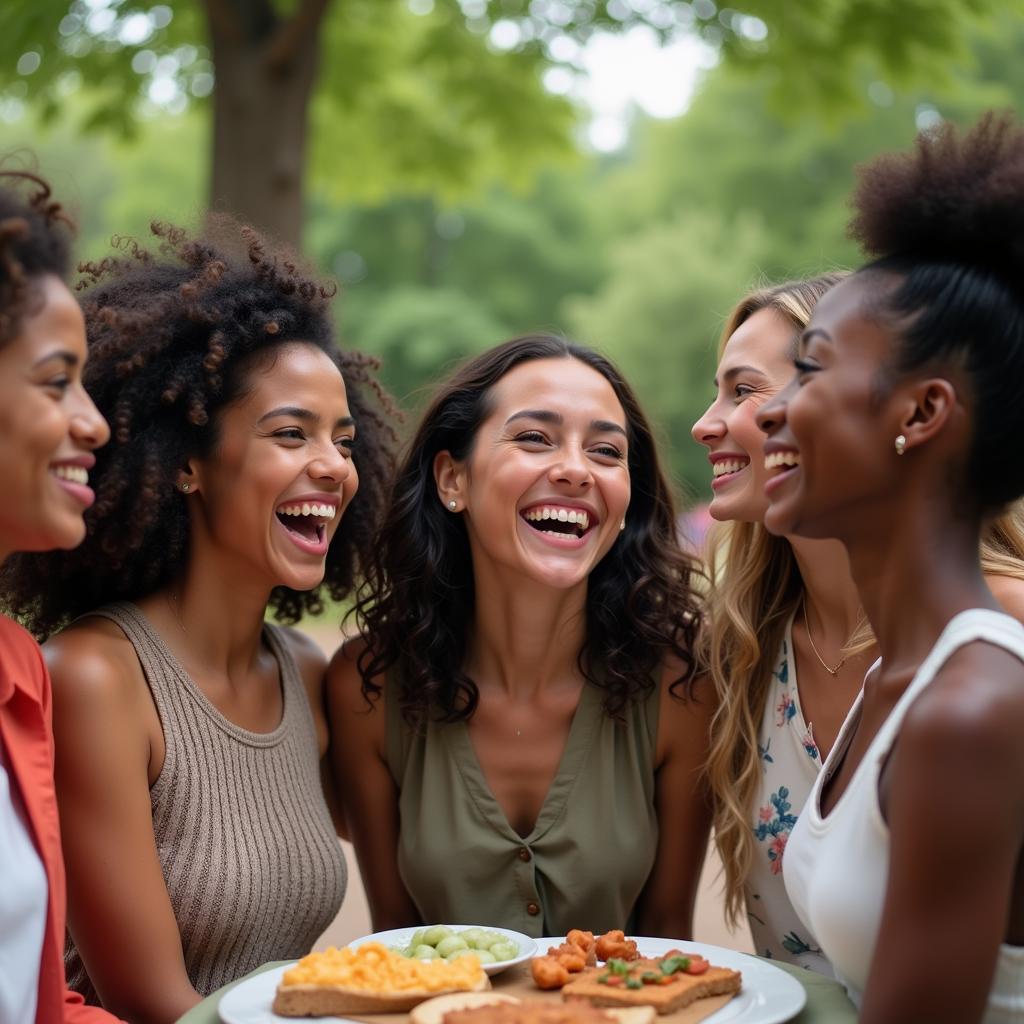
(544, 702)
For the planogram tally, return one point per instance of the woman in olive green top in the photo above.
(517, 734)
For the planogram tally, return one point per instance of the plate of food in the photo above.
(497, 949)
(336, 984)
(677, 978)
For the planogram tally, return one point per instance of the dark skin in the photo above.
(556, 436)
(914, 556)
(108, 733)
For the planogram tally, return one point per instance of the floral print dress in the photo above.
(790, 763)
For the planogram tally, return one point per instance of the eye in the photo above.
(804, 367)
(608, 451)
(532, 437)
(743, 390)
(58, 384)
(289, 434)
(345, 444)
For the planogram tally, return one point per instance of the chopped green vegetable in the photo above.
(602, 979)
(634, 983)
(618, 967)
(649, 977)
(673, 964)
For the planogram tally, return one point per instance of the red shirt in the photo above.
(26, 729)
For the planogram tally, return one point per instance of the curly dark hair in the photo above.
(415, 607)
(945, 224)
(173, 335)
(35, 239)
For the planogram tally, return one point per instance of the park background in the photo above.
(468, 170)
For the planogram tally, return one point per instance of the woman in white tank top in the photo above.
(901, 434)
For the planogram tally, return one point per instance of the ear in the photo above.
(187, 480)
(450, 477)
(930, 405)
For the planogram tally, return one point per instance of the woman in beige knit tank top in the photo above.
(198, 840)
(531, 756)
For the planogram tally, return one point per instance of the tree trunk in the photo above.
(265, 72)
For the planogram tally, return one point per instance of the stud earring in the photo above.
(186, 487)
(900, 444)
(622, 525)
(453, 504)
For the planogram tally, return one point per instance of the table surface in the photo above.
(826, 999)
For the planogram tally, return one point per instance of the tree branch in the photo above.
(290, 34)
(233, 20)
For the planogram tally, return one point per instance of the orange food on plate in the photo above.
(615, 946)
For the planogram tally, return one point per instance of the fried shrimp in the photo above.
(585, 942)
(548, 973)
(615, 945)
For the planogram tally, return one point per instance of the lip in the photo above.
(714, 458)
(778, 475)
(311, 498)
(82, 493)
(317, 547)
(562, 541)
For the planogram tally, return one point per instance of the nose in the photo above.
(572, 468)
(710, 427)
(86, 424)
(331, 464)
(772, 415)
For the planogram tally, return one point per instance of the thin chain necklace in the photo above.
(842, 661)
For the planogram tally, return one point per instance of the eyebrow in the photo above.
(546, 416)
(735, 371)
(68, 358)
(298, 413)
(812, 332)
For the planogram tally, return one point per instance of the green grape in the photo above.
(504, 950)
(417, 938)
(473, 937)
(432, 936)
(488, 939)
(425, 952)
(455, 954)
(450, 943)
(485, 956)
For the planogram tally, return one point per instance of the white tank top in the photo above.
(836, 869)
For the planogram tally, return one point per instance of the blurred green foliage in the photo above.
(642, 253)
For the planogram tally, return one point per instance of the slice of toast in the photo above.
(433, 1010)
(333, 1000)
(682, 990)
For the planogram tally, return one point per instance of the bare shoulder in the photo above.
(345, 680)
(974, 707)
(93, 659)
(1009, 592)
(686, 708)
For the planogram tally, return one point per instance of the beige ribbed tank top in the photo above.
(252, 864)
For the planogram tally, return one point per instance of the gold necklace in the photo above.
(842, 661)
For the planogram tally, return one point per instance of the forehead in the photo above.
(566, 386)
(844, 316)
(765, 340)
(294, 371)
(52, 319)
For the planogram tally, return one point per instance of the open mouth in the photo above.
(558, 520)
(780, 465)
(306, 522)
(725, 470)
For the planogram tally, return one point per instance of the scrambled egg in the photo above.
(374, 968)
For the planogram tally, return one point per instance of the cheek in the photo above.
(33, 431)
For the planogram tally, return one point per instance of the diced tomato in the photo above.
(615, 979)
(698, 965)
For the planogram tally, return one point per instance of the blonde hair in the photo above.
(756, 588)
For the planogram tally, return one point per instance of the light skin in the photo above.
(287, 439)
(556, 439)
(959, 745)
(756, 363)
(49, 427)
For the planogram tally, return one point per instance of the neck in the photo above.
(526, 636)
(914, 576)
(216, 614)
(830, 593)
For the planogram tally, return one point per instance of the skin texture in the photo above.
(108, 734)
(46, 420)
(914, 556)
(527, 631)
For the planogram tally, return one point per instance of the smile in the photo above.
(73, 478)
(558, 520)
(781, 465)
(306, 524)
(725, 470)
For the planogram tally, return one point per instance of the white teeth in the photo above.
(562, 515)
(74, 474)
(781, 459)
(305, 509)
(727, 466)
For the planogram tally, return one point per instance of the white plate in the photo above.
(401, 937)
(768, 996)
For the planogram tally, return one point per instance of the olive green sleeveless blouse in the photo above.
(587, 859)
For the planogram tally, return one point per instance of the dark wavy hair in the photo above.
(415, 607)
(35, 240)
(173, 337)
(945, 225)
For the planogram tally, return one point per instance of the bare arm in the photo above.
(312, 665)
(954, 802)
(119, 912)
(683, 806)
(369, 796)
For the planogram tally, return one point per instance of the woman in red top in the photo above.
(48, 430)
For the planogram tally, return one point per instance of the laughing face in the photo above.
(272, 494)
(830, 462)
(756, 363)
(49, 426)
(546, 484)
